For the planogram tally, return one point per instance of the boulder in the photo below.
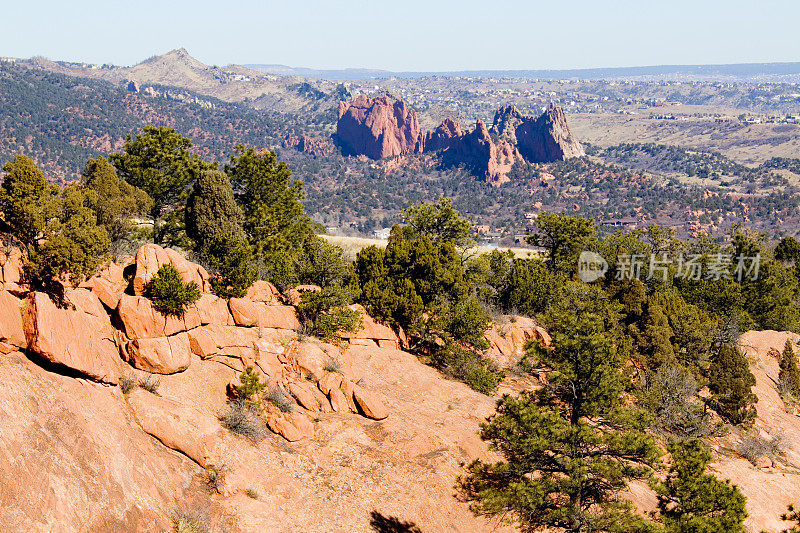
(378, 128)
(291, 426)
(88, 302)
(141, 321)
(11, 331)
(108, 284)
(304, 394)
(180, 427)
(71, 337)
(11, 270)
(265, 292)
(213, 310)
(233, 341)
(249, 313)
(379, 334)
(330, 381)
(508, 336)
(338, 400)
(369, 403)
(311, 359)
(151, 257)
(161, 355)
(347, 389)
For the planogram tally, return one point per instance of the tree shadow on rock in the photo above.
(391, 524)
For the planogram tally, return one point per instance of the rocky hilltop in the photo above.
(111, 413)
(111, 416)
(379, 128)
(475, 149)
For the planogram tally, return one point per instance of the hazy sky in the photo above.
(408, 34)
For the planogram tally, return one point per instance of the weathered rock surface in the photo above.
(378, 128)
(547, 137)
(212, 309)
(295, 295)
(12, 334)
(141, 321)
(248, 346)
(369, 403)
(72, 458)
(71, 337)
(108, 284)
(477, 151)
(249, 313)
(507, 338)
(161, 355)
(371, 333)
(11, 270)
(291, 426)
(444, 136)
(178, 426)
(265, 292)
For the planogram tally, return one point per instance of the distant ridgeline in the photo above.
(62, 121)
(379, 127)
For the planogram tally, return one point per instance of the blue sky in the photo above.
(409, 34)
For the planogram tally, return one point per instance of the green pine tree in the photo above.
(114, 201)
(274, 218)
(693, 501)
(570, 449)
(789, 375)
(211, 209)
(60, 235)
(731, 382)
(159, 162)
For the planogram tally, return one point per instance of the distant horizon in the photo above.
(390, 71)
(411, 36)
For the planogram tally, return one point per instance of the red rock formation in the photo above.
(443, 136)
(74, 338)
(378, 128)
(491, 152)
(476, 150)
(547, 138)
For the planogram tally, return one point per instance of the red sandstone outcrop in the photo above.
(378, 128)
(12, 333)
(11, 270)
(178, 426)
(371, 333)
(109, 285)
(547, 137)
(151, 257)
(72, 337)
(249, 313)
(508, 336)
(477, 151)
(444, 136)
(161, 355)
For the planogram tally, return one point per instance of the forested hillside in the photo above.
(61, 121)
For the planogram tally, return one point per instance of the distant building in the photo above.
(382, 233)
(628, 223)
